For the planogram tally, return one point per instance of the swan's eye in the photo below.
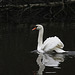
(38, 27)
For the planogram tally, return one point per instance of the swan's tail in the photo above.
(58, 50)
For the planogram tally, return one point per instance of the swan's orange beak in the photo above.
(34, 28)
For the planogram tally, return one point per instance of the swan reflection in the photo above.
(50, 60)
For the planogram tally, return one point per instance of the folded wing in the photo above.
(52, 42)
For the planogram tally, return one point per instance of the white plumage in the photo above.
(50, 44)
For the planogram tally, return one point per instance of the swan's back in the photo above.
(52, 42)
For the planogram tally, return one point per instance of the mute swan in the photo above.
(50, 44)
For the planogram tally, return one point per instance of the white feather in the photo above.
(51, 43)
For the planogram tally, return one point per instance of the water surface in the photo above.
(17, 42)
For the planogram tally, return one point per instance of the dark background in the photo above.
(17, 39)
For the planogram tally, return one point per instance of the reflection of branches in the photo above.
(51, 10)
(71, 9)
(36, 11)
(0, 0)
(51, 13)
(60, 10)
(22, 11)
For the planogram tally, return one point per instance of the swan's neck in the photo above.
(40, 37)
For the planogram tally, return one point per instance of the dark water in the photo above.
(17, 42)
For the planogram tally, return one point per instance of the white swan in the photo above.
(50, 44)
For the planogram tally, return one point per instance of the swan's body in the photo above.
(50, 44)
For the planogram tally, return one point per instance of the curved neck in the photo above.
(40, 37)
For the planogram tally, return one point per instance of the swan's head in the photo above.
(38, 27)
